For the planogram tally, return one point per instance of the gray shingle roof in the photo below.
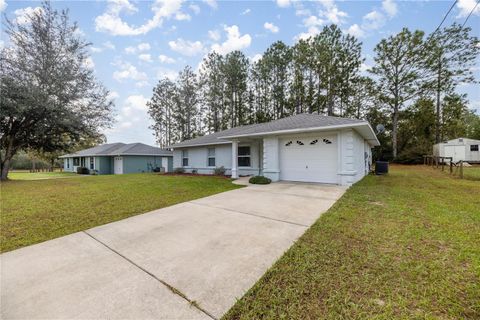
(300, 121)
(120, 149)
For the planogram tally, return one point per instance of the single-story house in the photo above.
(304, 147)
(119, 158)
(459, 149)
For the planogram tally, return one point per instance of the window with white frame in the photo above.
(244, 156)
(474, 147)
(92, 163)
(211, 157)
(185, 158)
(76, 161)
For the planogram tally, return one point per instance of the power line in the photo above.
(470, 13)
(445, 17)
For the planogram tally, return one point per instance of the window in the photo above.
(92, 163)
(76, 162)
(244, 156)
(474, 147)
(211, 157)
(68, 163)
(185, 158)
(82, 161)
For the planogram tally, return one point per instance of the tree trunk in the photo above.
(395, 131)
(437, 115)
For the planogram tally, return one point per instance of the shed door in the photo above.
(118, 165)
(456, 152)
(309, 159)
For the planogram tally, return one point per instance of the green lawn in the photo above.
(401, 246)
(35, 211)
(25, 175)
(472, 173)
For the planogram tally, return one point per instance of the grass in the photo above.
(25, 175)
(472, 173)
(35, 211)
(401, 246)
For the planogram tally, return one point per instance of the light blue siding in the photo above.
(137, 164)
(103, 165)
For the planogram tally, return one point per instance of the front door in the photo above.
(456, 152)
(118, 165)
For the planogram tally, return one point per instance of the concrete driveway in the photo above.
(188, 261)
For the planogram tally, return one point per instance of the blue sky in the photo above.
(137, 42)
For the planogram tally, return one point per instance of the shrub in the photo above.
(179, 170)
(194, 171)
(259, 180)
(219, 171)
(83, 170)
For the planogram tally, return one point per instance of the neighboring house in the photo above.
(304, 147)
(459, 149)
(118, 158)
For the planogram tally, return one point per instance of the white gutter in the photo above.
(199, 145)
(116, 155)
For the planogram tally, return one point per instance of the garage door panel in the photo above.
(309, 159)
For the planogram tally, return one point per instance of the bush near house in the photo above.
(179, 170)
(83, 170)
(259, 180)
(220, 171)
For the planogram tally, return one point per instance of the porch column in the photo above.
(234, 159)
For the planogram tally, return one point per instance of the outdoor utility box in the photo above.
(381, 167)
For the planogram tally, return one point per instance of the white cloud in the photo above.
(332, 13)
(145, 57)
(22, 15)
(329, 13)
(88, 62)
(311, 32)
(3, 5)
(111, 22)
(214, 35)
(390, 7)
(180, 16)
(283, 3)
(144, 46)
(134, 103)
(96, 49)
(129, 72)
(313, 21)
(356, 31)
(234, 41)
(194, 8)
(211, 3)
(256, 58)
(109, 45)
(165, 59)
(185, 47)
(167, 73)
(271, 27)
(112, 95)
(246, 11)
(466, 6)
(373, 20)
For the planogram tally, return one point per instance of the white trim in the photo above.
(199, 145)
(323, 128)
(116, 155)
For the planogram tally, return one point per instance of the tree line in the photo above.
(414, 76)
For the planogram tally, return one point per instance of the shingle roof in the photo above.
(300, 121)
(120, 149)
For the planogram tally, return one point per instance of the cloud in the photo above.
(110, 22)
(390, 7)
(112, 95)
(109, 45)
(311, 32)
(165, 59)
(256, 58)
(144, 46)
(246, 11)
(194, 8)
(466, 6)
(328, 13)
(145, 57)
(129, 72)
(283, 3)
(22, 15)
(106, 45)
(180, 16)
(214, 35)
(313, 21)
(234, 41)
(185, 47)
(3, 5)
(373, 20)
(88, 62)
(211, 3)
(356, 31)
(167, 73)
(271, 27)
(332, 13)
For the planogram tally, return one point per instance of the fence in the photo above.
(441, 162)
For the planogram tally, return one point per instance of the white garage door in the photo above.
(456, 152)
(309, 159)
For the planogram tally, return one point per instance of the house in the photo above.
(118, 158)
(459, 149)
(304, 147)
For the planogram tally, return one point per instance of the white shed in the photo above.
(459, 149)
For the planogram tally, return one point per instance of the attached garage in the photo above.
(310, 158)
